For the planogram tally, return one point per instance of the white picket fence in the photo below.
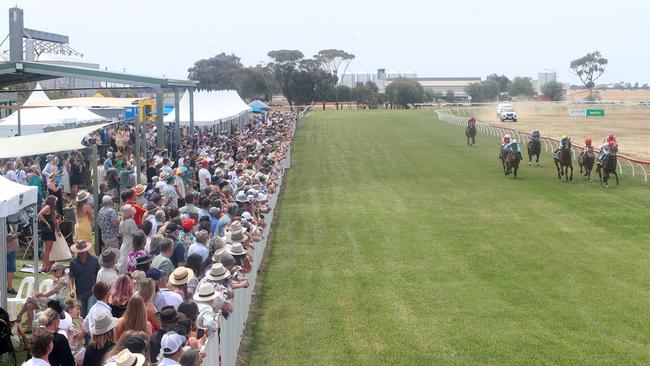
(232, 328)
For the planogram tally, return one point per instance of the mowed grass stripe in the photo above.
(397, 244)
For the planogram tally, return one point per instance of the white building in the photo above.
(544, 77)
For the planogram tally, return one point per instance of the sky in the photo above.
(431, 38)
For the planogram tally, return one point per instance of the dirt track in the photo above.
(632, 127)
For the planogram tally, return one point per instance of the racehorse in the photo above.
(586, 160)
(470, 133)
(511, 162)
(563, 162)
(534, 148)
(608, 166)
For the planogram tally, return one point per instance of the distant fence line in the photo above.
(226, 344)
(633, 166)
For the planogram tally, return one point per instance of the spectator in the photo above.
(132, 341)
(168, 317)
(134, 318)
(143, 262)
(146, 292)
(101, 293)
(210, 304)
(226, 219)
(170, 192)
(137, 251)
(109, 222)
(83, 274)
(214, 220)
(154, 246)
(200, 245)
(186, 237)
(191, 357)
(49, 224)
(102, 339)
(195, 264)
(40, 348)
(162, 261)
(164, 296)
(179, 279)
(120, 295)
(171, 348)
(107, 260)
(61, 355)
(178, 257)
(39, 300)
(127, 229)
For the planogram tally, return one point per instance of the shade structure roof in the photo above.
(14, 196)
(259, 105)
(210, 107)
(44, 143)
(88, 102)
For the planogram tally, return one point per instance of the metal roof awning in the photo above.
(26, 71)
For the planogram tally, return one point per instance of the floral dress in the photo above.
(131, 260)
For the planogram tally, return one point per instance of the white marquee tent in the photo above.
(223, 108)
(35, 120)
(13, 198)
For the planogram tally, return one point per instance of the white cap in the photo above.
(247, 216)
(171, 342)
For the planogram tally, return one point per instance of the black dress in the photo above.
(117, 310)
(94, 356)
(47, 233)
(75, 173)
(59, 200)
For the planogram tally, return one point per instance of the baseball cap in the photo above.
(188, 224)
(154, 274)
(171, 342)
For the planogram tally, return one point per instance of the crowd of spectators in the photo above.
(174, 247)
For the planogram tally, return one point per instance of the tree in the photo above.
(335, 62)
(344, 93)
(404, 91)
(553, 90)
(589, 68)
(366, 95)
(450, 97)
(252, 82)
(215, 72)
(522, 86)
(484, 91)
(284, 65)
(503, 81)
(324, 84)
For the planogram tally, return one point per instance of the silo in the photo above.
(544, 77)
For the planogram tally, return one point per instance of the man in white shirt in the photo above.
(165, 296)
(101, 292)
(40, 347)
(204, 175)
(199, 246)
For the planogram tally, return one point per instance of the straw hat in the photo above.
(236, 249)
(80, 247)
(103, 323)
(109, 257)
(127, 358)
(181, 276)
(139, 189)
(217, 272)
(163, 175)
(205, 293)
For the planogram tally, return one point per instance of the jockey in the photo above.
(471, 121)
(505, 140)
(535, 136)
(606, 148)
(514, 145)
(565, 140)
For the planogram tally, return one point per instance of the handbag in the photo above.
(60, 250)
(12, 242)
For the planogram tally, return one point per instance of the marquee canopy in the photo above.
(210, 107)
(14, 197)
(45, 143)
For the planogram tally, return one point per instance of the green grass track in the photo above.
(396, 244)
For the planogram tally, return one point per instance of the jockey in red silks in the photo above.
(471, 121)
(606, 147)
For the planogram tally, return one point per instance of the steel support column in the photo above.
(191, 94)
(160, 133)
(176, 139)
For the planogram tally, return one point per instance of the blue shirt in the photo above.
(221, 225)
(84, 274)
(214, 223)
(108, 164)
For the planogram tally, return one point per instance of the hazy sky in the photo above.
(431, 38)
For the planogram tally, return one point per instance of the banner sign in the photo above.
(595, 113)
(577, 112)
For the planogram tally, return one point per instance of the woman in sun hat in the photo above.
(102, 339)
(39, 300)
(241, 256)
(179, 279)
(84, 218)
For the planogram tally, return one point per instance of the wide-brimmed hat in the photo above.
(218, 173)
(241, 196)
(49, 157)
(163, 175)
(104, 322)
(139, 189)
(82, 196)
(181, 276)
(143, 259)
(168, 315)
(205, 292)
(109, 257)
(217, 272)
(235, 226)
(236, 249)
(79, 247)
(127, 358)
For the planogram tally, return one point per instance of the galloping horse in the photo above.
(563, 162)
(511, 162)
(608, 166)
(586, 160)
(534, 148)
(470, 133)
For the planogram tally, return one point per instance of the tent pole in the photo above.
(96, 193)
(160, 133)
(3, 261)
(19, 124)
(176, 139)
(136, 123)
(191, 92)
(35, 242)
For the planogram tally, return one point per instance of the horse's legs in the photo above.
(571, 167)
(600, 174)
(559, 170)
(537, 157)
(515, 171)
(616, 176)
